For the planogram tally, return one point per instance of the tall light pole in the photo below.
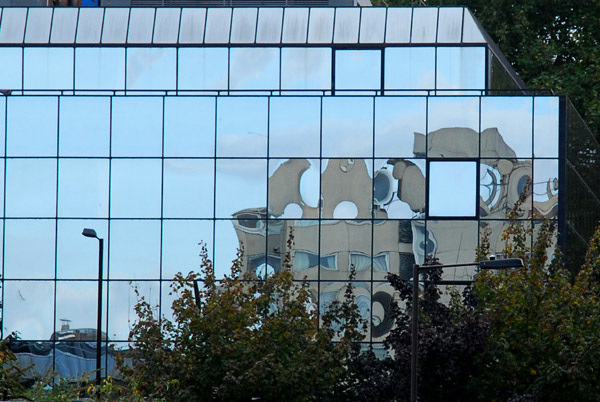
(490, 264)
(92, 233)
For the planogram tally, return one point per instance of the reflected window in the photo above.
(151, 68)
(409, 68)
(202, 68)
(48, 68)
(452, 188)
(306, 68)
(240, 184)
(304, 260)
(357, 69)
(11, 68)
(453, 127)
(254, 68)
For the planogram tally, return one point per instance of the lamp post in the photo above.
(490, 264)
(92, 233)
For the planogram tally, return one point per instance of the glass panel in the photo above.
(410, 68)
(38, 25)
(295, 24)
(77, 255)
(29, 309)
(135, 188)
(295, 124)
(460, 68)
(399, 188)
(83, 188)
(506, 124)
(188, 188)
(181, 246)
(203, 68)
(189, 126)
(545, 187)
(294, 188)
(2, 125)
(31, 126)
(11, 68)
(251, 232)
(116, 21)
(243, 25)
(48, 68)
(545, 127)
(151, 68)
(393, 248)
(372, 25)
(471, 32)
(13, 25)
(192, 25)
(31, 187)
(236, 177)
(134, 249)
(305, 252)
(29, 249)
(218, 22)
(357, 69)
(121, 303)
(345, 243)
(89, 27)
(242, 126)
(141, 24)
(166, 26)
(346, 25)
(399, 22)
(306, 68)
(77, 305)
(424, 25)
(84, 126)
(381, 316)
(455, 242)
(320, 29)
(497, 230)
(254, 68)
(64, 24)
(456, 178)
(99, 68)
(269, 25)
(501, 183)
(399, 126)
(450, 25)
(453, 125)
(137, 126)
(227, 243)
(346, 188)
(342, 116)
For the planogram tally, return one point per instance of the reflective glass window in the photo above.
(181, 246)
(346, 24)
(295, 25)
(357, 69)
(38, 25)
(409, 68)
(151, 68)
(192, 25)
(83, 188)
(347, 127)
(501, 183)
(29, 248)
(31, 126)
(453, 125)
(372, 25)
(456, 178)
(506, 125)
(166, 25)
(134, 249)
(75, 301)
(254, 68)
(269, 25)
(28, 308)
(84, 126)
(424, 25)
(294, 188)
(89, 27)
(13, 24)
(2, 124)
(455, 241)
(226, 245)
(399, 188)
(320, 28)
(545, 187)
(137, 126)
(306, 68)
(189, 126)
(11, 72)
(99, 68)
(400, 126)
(116, 22)
(243, 25)
(450, 23)
(294, 126)
(242, 126)
(203, 68)
(188, 188)
(240, 184)
(64, 24)
(218, 22)
(346, 188)
(122, 298)
(141, 25)
(31, 187)
(460, 68)
(135, 188)
(545, 126)
(398, 25)
(77, 255)
(48, 68)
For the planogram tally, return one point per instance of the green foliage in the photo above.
(11, 375)
(241, 338)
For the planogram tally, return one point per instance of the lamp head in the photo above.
(89, 233)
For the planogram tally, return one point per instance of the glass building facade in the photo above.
(373, 136)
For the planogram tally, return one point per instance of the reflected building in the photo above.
(350, 138)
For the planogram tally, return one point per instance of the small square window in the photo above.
(452, 188)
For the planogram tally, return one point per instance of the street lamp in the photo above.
(490, 264)
(92, 233)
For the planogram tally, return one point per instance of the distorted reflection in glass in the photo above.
(76, 255)
(545, 187)
(254, 68)
(393, 248)
(453, 127)
(151, 68)
(84, 126)
(409, 68)
(399, 188)
(347, 127)
(181, 245)
(294, 188)
(455, 243)
(189, 126)
(501, 183)
(29, 248)
(545, 126)
(330, 292)
(294, 126)
(306, 68)
(47, 68)
(399, 126)
(122, 298)
(506, 137)
(188, 186)
(381, 316)
(242, 126)
(345, 244)
(30, 187)
(452, 188)
(77, 304)
(227, 242)
(240, 184)
(135, 188)
(202, 68)
(496, 230)
(357, 69)
(99, 68)
(137, 126)
(83, 188)
(31, 124)
(134, 249)
(11, 68)
(346, 188)
(28, 309)
(460, 68)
